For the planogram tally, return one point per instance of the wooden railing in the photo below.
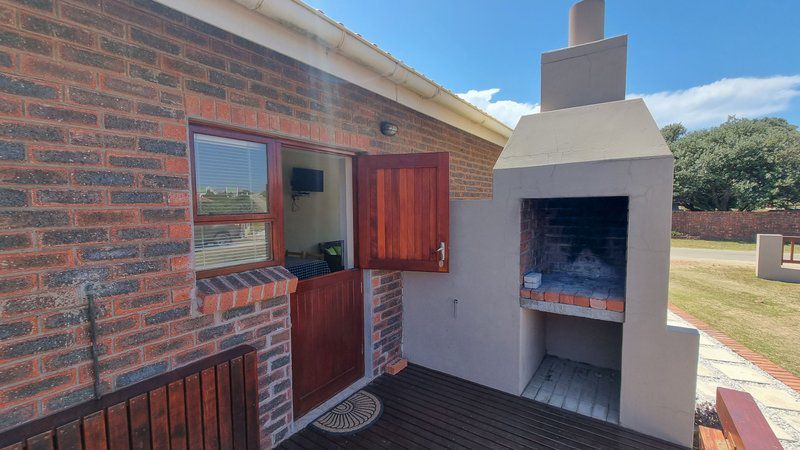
(791, 241)
(212, 403)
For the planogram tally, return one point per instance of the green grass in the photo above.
(762, 315)
(714, 245)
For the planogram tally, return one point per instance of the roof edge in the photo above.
(332, 37)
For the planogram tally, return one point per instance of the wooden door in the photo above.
(404, 212)
(327, 337)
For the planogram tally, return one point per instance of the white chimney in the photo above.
(592, 69)
(586, 22)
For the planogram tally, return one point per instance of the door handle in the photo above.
(442, 253)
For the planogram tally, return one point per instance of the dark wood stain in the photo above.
(403, 204)
(427, 409)
(327, 337)
(193, 405)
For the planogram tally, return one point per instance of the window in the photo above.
(237, 202)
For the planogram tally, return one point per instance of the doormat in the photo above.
(356, 413)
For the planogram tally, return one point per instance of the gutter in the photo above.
(335, 36)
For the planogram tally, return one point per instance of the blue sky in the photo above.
(694, 61)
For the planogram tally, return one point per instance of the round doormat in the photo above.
(356, 413)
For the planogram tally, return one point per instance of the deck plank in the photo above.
(424, 408)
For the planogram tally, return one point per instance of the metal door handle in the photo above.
(442, 255)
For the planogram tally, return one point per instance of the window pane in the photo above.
(231, 244)
(231, 176)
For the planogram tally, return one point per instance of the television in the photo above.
(306, 180)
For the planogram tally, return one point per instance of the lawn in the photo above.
(714, 245)
(763, 315)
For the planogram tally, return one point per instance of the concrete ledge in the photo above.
(572, 310)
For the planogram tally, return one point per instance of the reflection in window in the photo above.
(231, 176)
(231, 244)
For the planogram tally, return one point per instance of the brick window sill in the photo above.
(224, 292)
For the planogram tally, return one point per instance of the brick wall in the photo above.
(735, 225)
(95, 98)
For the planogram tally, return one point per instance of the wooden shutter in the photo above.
(404, 212)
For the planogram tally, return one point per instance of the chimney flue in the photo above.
(586, 22)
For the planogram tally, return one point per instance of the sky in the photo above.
(693, 61)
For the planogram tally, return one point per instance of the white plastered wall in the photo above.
(492, 341)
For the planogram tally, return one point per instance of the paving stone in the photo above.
(793, 421)
(705, 340)
(707, 388)
(779, 431)
(774, 398)
(718, 354)
(704, 370)
(742, 372)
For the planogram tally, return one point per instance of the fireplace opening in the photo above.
(581, 368)
(573, 255)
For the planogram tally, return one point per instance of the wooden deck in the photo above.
(428, 409)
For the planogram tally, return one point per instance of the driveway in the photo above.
(712, 254)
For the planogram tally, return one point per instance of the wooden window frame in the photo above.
(273, 219)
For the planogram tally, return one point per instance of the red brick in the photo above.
(177, 165)
(615, 305)
(223, 111)
(580, 300)
(174, 132)
(21, 262)
(596, 303)
(551, 296)
(180, 231)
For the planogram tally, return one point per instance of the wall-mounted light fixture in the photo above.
(388, 129)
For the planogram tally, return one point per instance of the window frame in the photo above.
(272, 219)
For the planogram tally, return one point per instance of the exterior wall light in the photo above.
(388, 129)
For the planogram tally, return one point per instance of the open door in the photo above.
(404, 212)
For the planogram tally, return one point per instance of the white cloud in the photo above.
(507, 111)
(711, 104)
(696, 107)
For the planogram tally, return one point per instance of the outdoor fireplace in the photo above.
(582, 195)
(578, 246)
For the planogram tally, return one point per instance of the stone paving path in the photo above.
(720, 366)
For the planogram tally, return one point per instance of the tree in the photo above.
(743, 164)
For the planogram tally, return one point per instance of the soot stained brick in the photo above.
(90, 98)
(13, 197)
(31, 132)
(163, 215)
(10, 330)
(166, 248)
(103, 178)
(140, 374)
(130, 234)
(161, 181)
(151, 40)
(154, 76)
(92, 59)
(67, 157)
(159, 111)
(71, 398)
(32, 176)
(79, 236)
(138, 163)
(109, 253)
(32, 389)
(116, 288)
(167, 316)
(12, 151)
(33, 219)
(128, 51)
(127, 124)
(69, 358)
(137, 197)
(76, 276)
(70, 197)
(17, 86)
(172, 148)
(61, 114)
(214, 332)
(18, 41)
(34, 346)
(205, 88)
(10, 241)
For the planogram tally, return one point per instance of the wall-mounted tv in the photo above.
(306, 180)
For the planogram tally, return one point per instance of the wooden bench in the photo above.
(743, 425)
(212, 403)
